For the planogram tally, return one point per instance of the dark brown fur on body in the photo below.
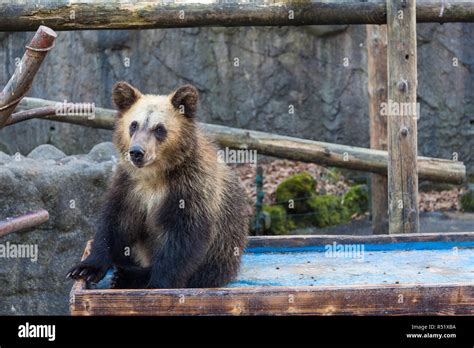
(182, 217)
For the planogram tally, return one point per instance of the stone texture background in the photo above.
(278, 67)
(71, 190)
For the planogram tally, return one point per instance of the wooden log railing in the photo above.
(351, 157)
(29, 220)
(128, 14)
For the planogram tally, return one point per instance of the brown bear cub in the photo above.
(174, 216)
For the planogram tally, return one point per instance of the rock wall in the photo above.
(70, 188)
(252, 78)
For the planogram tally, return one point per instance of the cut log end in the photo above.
(47, 31)
(43, 39)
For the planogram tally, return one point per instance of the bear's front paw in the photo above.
(89, 272)
(117, 281)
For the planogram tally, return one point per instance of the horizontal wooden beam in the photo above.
(427, 299)
(356, 158)
(101, 118)
(111, 14)
(329, 154)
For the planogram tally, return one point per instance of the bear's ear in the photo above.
(124, 95)
(185, 100)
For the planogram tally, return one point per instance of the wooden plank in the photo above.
(351, 157)
(402, 126)
(377, 90)
(451, 299)
(128, 14)
(309, 240)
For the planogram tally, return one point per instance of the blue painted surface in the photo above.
(394, 263)
(369, 247)
(385, 265)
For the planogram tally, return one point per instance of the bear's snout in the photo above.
(137, 154)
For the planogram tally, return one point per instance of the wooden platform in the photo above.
(317, 275)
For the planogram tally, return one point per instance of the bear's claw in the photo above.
(87, 272)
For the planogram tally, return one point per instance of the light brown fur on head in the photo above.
(184, 145)
(174, 112)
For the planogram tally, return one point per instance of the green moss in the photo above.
(328, 211)
(300, 207)
(467, 201)
(295, 191)
(295, 221)
(356, 200)
(277, 219)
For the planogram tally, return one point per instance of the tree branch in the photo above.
(21, 116)
(25, 72)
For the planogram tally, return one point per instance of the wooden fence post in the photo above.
(402, 117)
(377, 88)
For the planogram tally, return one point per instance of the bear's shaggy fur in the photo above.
(174, 216)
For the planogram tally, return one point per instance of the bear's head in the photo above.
(154, 131)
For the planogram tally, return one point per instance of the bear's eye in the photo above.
(160, 132)
(133, 127)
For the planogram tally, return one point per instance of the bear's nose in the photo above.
(136, 154)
